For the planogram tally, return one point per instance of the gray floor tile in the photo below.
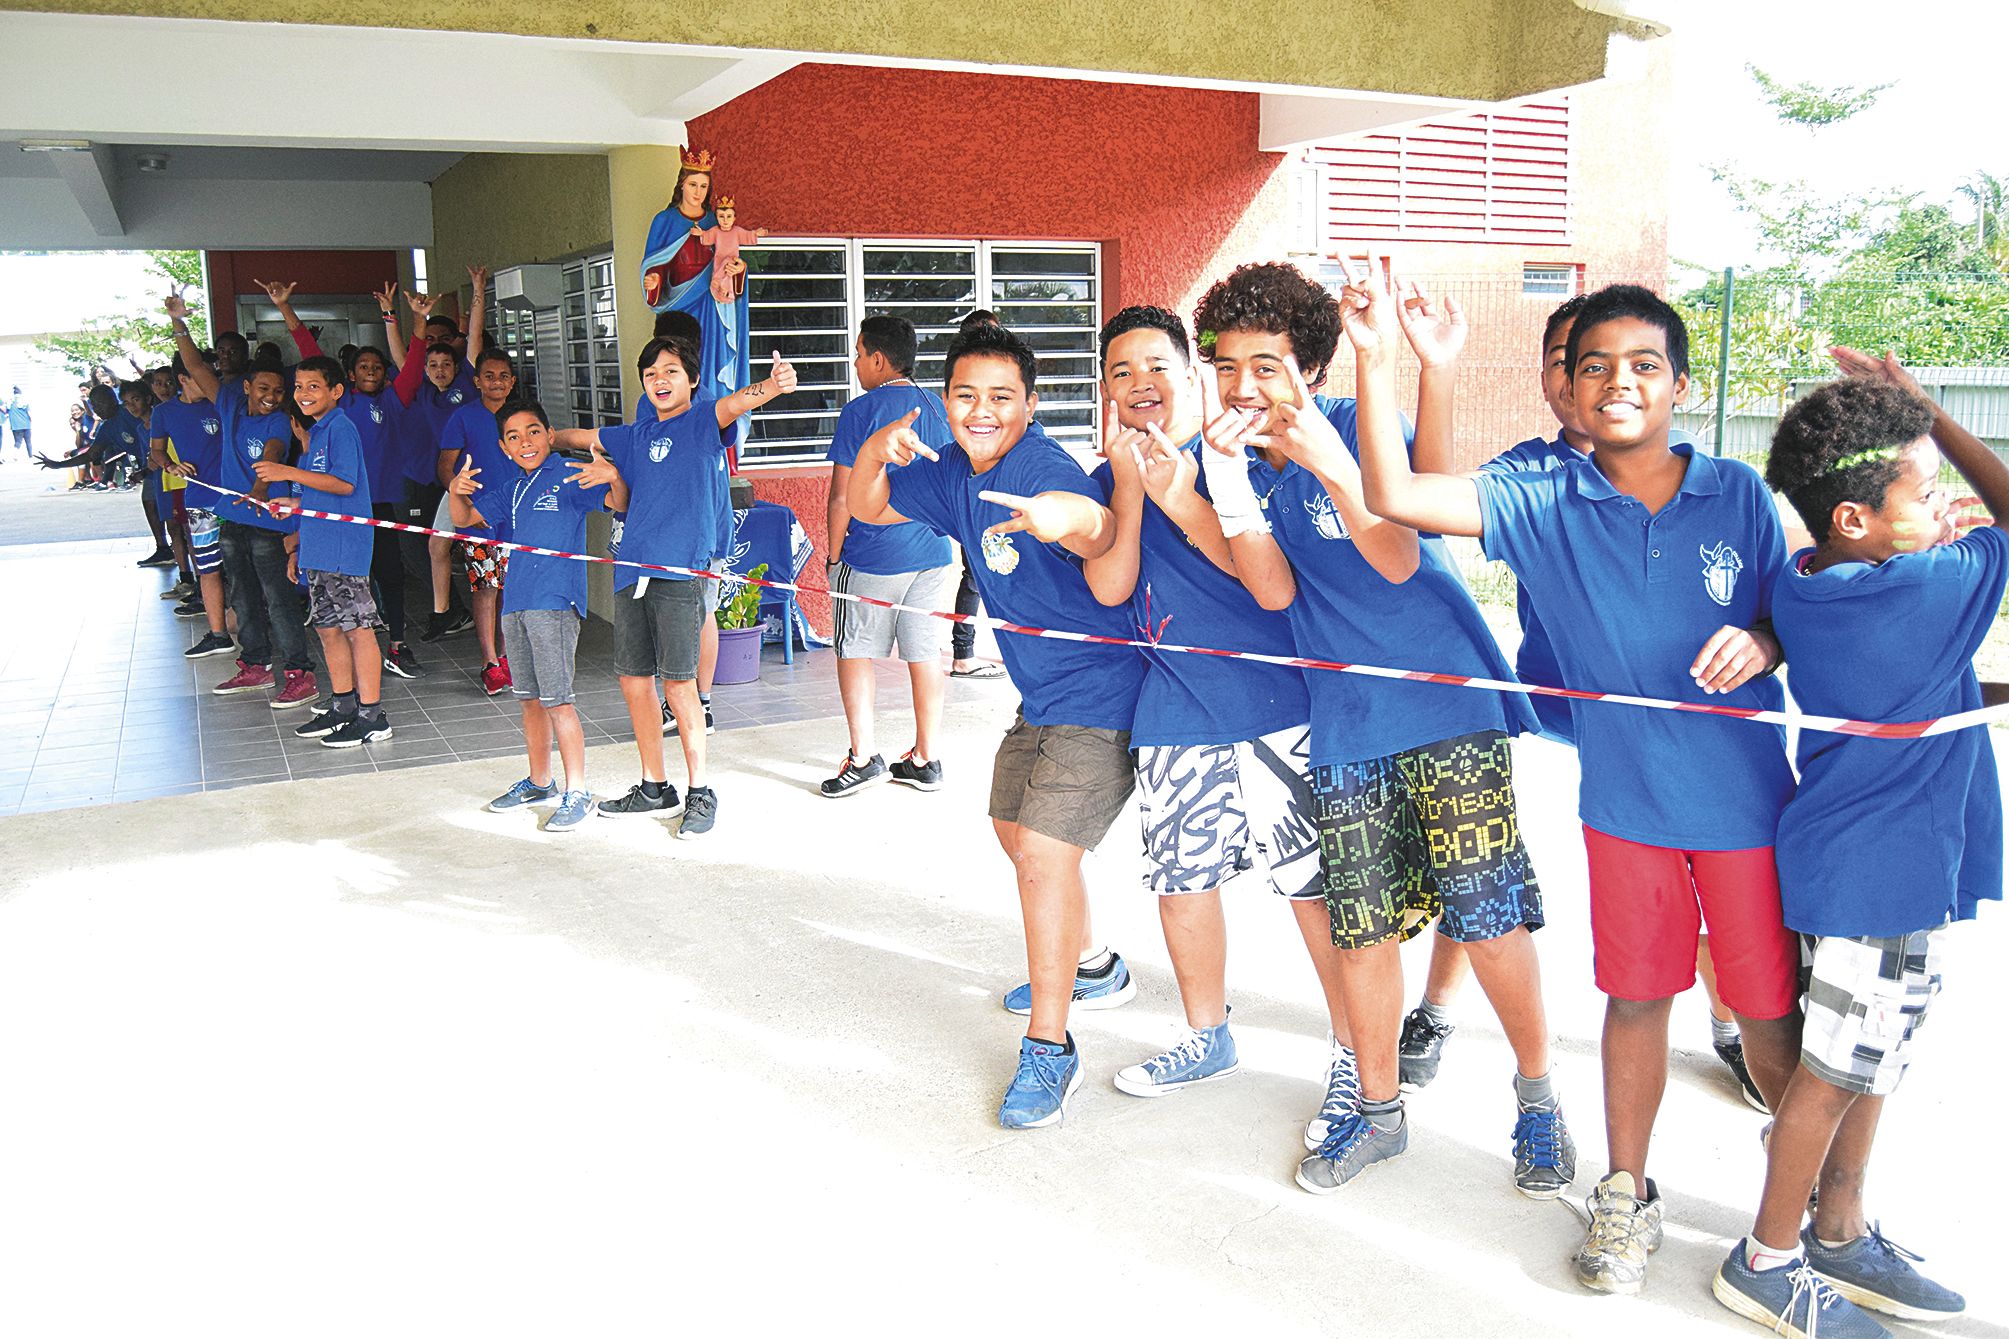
(268, 748)
(215, 770)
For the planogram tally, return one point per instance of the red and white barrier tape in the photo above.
(1837, 725)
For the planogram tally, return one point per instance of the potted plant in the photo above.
(740, 631)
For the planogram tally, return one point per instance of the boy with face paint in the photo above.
(1029, 518)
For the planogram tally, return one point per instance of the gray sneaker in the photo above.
(1624, 1230)
(1545, 1157)
(1352, 1146)
(573, 808)
(700, 812)
(1876, 1274)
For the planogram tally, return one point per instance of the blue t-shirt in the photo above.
(471, 430)
(244, 437)
(335, 447)
(436, 406)
(1629, 599)
(539, 507)
(1891, 836)
(1025, 581)
(889, 550)
(197, 436)
(676, 477)
(728, 523)
(1345, 610)
(377, 423)
(121, 435)
(1182, 597)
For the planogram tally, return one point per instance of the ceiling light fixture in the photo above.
(153, 162)
(55, 146)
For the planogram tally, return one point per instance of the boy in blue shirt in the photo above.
(1222, 747)
(904, 564)
(539, 502)
(470, 432)
(1886, 842)
(1029, 517)
(188, 436)
(669, 474)
(334, 556)
(1637, 556)
(1413, 784)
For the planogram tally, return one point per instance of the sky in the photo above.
(1938, 125)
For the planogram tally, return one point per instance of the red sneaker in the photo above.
(248, 679)
(298, 690)
(494, 679)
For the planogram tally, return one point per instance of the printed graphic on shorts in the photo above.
(1720, 567)
(1325, 517)
(1276, 788)
(1195, 827)
(999, 554)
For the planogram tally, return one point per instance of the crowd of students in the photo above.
(1237, 502)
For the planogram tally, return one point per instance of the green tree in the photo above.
(1811, 105)
(1989, 194)
(144, 335)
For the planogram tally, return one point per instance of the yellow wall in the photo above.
(1485, 50)
(501, 209)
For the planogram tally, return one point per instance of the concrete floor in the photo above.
(348, 1055)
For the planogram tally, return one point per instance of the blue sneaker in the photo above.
(1112, 988)
(1047, 1076)
(1791, 1300)
(1342, 1096)
(1875, 1273)
(1205, 1053)
(1545, 1157)
(522, 795)
(1354, 1145)
(574, 806)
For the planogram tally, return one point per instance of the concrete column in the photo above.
(640, 178)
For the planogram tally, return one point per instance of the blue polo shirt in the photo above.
(676, 476)
(1891, 836)
(244, 437)
(471, 430)
(540, 507)
(1182, 597)
(436, 406)
(376, 418)
(1025, 581)
(335, 447)
(1345, 610)
(1629, 599)
(197, 436)
(890, 550)
(728, 522)
(120, 435)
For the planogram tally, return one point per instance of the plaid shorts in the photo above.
(486, 564)
(1865, 1001)
(338, 600)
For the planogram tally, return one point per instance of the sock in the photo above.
(371, 711)
(1436, 1013)
(704, 699)
(1761, 1257)
(1383, 1115)
(652, 789)
(1724, 1033)
(1065, 1047)
(344, 704)
(1539, 1092)
(1096, 963)
(1836, 1245)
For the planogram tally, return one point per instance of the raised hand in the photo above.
(1123, 448)
(176, 307)
(897, 443)
(1167, 472)
(1367, 311)
(782, 375)
(422, 304)
(1043, 516)
(387, 300)
(278, 293)
(595, 472)
(477, 275)
(467, 482)
(1868, 367)
(1435, 327)
(1306, 435)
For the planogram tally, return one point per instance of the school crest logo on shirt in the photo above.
(659, 450)
(455, 396)
(211, 426)
(548, 500)
(1000, 555)
(1720, 567)
(1325, 517)
(376, 413)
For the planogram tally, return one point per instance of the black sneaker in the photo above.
(358, 730)
(320, 725)
(854, 776)
(158, 558)
(189, 608)
(670, 721)
(1731, 1053)
(212, 644)
(435, 628)
(637, 804)
(458, 620)
(700, 812)
(1422, 1048)
(400, 661)
(921, 776)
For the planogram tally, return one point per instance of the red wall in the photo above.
(235, 274)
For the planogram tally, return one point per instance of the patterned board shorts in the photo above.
(1866, 1000)
(338, 600)
(1430, 833)
(205, 539)
(487, 564)
(1212, 810)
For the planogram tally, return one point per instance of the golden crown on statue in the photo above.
(724, 202)
(701, 161)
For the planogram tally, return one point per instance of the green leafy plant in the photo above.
(743, 609)
(145, 334)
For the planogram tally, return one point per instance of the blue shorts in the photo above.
(205, 540)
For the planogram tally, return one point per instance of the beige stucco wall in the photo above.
(501, 209)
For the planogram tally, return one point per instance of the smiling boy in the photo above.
(471, 433)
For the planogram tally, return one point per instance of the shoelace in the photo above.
(1346, 1136)
(1342, 1086)
(1418, 1032)
(1537, 1138)
(1041, 1067)
(1883, 1245)
(1615, 1222)
(1819, 1297)
(1189, 1051)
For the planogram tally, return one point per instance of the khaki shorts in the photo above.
(1067, 782)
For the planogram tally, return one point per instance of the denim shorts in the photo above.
(656, 626)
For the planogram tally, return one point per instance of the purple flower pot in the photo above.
(738, 655)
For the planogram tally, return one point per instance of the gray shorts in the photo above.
(338, 600)
(710, 586)
(656, 636)
(867, 632)
(543, 644)
(1067, 782)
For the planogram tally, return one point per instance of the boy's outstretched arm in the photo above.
(1982, 468)
(779, 381)
(869, 493)
(1081, 525)
(199, 370)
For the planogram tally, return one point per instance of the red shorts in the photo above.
(1648, 907)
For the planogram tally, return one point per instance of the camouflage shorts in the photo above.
(338, 600)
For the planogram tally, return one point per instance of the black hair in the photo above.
(490, 354)
(441, 346)
(98, 405)
(981, 316)
(686, 352)
(266, 349)
(1840, 444)
(680, 325)
(446, 321)
(1565, 312)
(513, 406)
(142, 390)
(1145, 318)
(329, 369)
(1620, 301)
(893, 337)
(263, 363)
(347, 355)
(991, 341)
(1274, 299)
(369, 350)
(233, 337)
